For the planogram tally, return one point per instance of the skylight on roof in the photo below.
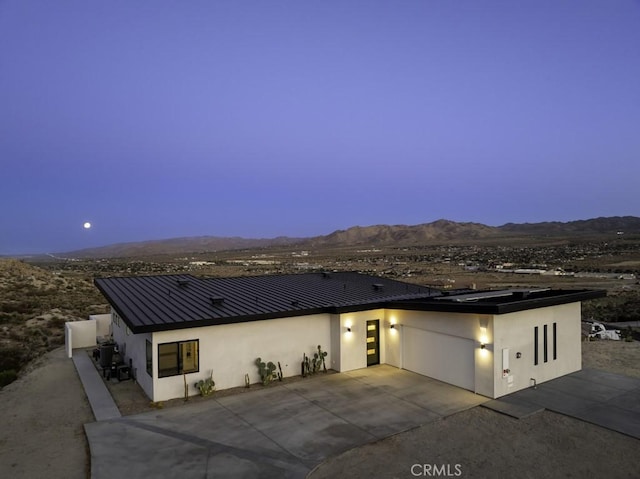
(480, 295)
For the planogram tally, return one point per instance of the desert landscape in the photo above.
(44, 406)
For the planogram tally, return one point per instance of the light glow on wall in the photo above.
(393, 327)
(348, 327)
(484, 337)
(484, 342)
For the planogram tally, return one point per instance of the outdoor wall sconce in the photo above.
(518, 355)
(482, 345)
(348, 329)
(393, 326)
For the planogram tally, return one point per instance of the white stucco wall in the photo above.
(132, 347)
(79, 334)
(230, 351)
(103, 324)
(350, 348)
(135, 349)
(515, 332)
(84, 334)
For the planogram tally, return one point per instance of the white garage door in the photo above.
(439, 356)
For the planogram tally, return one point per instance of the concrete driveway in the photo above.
(278, 432)
(602, 398)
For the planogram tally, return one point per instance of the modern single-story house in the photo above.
(489, 342)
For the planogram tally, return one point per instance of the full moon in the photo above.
(87, 225)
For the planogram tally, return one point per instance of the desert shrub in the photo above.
(7, 377)
(9, 318)
(14, 357)
(54, 341)
(21, 307)
(57, 322)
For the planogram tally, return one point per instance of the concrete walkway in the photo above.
(277, 432)
(608, 400)
(100, 399)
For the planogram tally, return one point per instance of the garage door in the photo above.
(439, 356)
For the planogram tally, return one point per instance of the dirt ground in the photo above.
(620, 357)
(41, 422)
(42, 415)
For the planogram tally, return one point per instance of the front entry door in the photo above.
(373, 342)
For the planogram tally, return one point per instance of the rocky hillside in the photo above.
(34, 305)
(441, 230)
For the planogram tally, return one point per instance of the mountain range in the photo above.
(379, 235)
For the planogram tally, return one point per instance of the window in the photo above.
(177, 358)
(555, 343)
(149, 358)
(535, 346)
(545, 343)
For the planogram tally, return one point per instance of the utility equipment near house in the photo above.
(600, 332)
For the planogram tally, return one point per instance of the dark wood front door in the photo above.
(373, 342)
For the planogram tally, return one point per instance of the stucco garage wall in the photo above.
(230, 350)
(515, 332)
(445, 346)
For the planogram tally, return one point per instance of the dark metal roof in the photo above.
(157, 303)
(500, 302)
(167, 302)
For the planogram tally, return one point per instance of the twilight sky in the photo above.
(158, 119)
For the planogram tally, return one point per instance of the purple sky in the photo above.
(156, 119)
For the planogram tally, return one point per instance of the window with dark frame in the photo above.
(178, 358)
(149, 358)
(535, 346)
(544, 343)
(555, 343)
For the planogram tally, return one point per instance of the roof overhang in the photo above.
(500, 305)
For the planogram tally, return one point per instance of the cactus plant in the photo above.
(266, 371)
(206, 386)
(321, 355)
(313, 365)
(306, 366)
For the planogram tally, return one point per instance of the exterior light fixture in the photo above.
(393, 326)
(483, 346)
(348, 329)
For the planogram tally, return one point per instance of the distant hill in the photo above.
(612, 224)
(440, 230)
(193, 244)
(379, 235)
